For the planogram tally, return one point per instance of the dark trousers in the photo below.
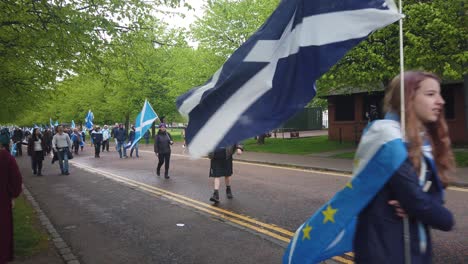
(105, 145)
(97, 149)
(164, 158)
(37, 162)
(76, 146)
(19, 149)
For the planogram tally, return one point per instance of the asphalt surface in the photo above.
(112, 210)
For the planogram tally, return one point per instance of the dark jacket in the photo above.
(120, 135)
(97, 136)
(221, 161)
(379, 231)
(162, 142)
(17, 135)
(131, 136)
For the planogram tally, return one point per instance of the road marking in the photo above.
(339, 174)
(241, 220)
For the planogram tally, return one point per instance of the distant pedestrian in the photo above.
(61, 144)
(83, 137)
(36, 150)
(96, 137)
(221, 166)
(131, 138)
(47, 137)
(162, 148)
(106, 134)
(76, 139)
(10, 188)
(120, 135)
(17, 138)
(147, 136)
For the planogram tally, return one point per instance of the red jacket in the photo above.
(10, 188)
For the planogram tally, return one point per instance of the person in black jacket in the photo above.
(221, 166)
(17, 138)
(96, 135)
(162, 148)
(36, 150)
(416, 190)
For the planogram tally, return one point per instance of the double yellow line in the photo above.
(270, 230)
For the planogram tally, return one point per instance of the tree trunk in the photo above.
(261, 139)
(127, 122)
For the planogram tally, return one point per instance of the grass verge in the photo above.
(297, 146)
(29, 237)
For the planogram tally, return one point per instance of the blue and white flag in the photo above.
(72, 124)
(89, 120)
(143, 122)
(56, 123)
(330, 231)
(50, 122)
(272, 75)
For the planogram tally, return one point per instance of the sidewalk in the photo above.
(319, 162)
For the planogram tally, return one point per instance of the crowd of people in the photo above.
(415, 191)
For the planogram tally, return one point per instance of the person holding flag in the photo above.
(397, 180)
(416, 189)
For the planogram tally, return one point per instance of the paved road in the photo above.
(113, 210)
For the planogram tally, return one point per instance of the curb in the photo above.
(454, 184)
(60, 245)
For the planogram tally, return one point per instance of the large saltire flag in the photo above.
(330, 231)
(89, 120)
(143, 122)
(272, 75)
(72, 124)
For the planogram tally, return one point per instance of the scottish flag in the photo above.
(56, 123)
(50, 122)
(272, 75)
(143, 122)
(89, 119)
(330, 231)
(72, 124)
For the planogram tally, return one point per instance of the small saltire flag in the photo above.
(73, 124)
(56, 123)
(144, 121)
(89, 119)
(330, 231)
(50, 122)
(272, 75)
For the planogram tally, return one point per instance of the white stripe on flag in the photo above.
(209, 136)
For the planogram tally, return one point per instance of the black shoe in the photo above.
(34, 172)
(67, 173)
(229, 193)
(39, 174)
(166, 175)
(215, 197)
(158, 173)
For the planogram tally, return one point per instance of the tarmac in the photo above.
(320, 161)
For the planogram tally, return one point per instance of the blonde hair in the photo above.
(437, 132)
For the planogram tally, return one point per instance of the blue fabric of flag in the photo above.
(89, 120)
(272, 75)
(143, 122)
(330, 231)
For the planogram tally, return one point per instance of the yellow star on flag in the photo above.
(329, 214)
(306, 230)
(349, 185)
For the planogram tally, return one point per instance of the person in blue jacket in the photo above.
(416, 190)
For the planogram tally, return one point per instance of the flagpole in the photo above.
(406, 230)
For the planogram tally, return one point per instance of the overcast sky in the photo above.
(190, 16)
